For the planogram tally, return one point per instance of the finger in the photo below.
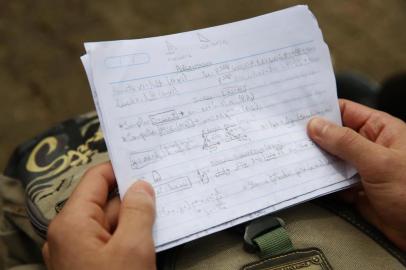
(94, 186)
(354, 115)
(375, 125)
(85, 207)
(46, 256)
(137, 215)
(345, 143)
(112, 211)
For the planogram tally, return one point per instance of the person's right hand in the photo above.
(375, 143)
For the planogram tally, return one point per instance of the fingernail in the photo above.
(317, 127)
(144, 187)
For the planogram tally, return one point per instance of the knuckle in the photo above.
(94, 171)
(386, 160)
(91, 172)
(374, 125)
(348, 137)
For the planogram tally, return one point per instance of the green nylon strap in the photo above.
(274, 242)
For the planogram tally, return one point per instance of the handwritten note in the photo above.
(215, 119)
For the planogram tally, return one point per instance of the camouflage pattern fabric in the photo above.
(41, 175)
(20, 246)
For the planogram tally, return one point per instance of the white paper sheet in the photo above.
(215, 119)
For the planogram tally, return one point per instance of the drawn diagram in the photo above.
(170, 47)
(173, 186)
(202, 38)
(204, 178)
(156, 176)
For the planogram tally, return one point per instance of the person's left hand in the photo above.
(92, 233)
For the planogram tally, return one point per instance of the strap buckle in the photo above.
(267, 235)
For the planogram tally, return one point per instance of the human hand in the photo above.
(92, 233)
(375, 143)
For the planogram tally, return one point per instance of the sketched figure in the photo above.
(170, 47)
(156, 177)
(202, 38)
(204, 178)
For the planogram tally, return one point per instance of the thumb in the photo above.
(137, 214)
(344, 143)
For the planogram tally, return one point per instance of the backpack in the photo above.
(320, 234)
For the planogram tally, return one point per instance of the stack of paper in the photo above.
(215, 119)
